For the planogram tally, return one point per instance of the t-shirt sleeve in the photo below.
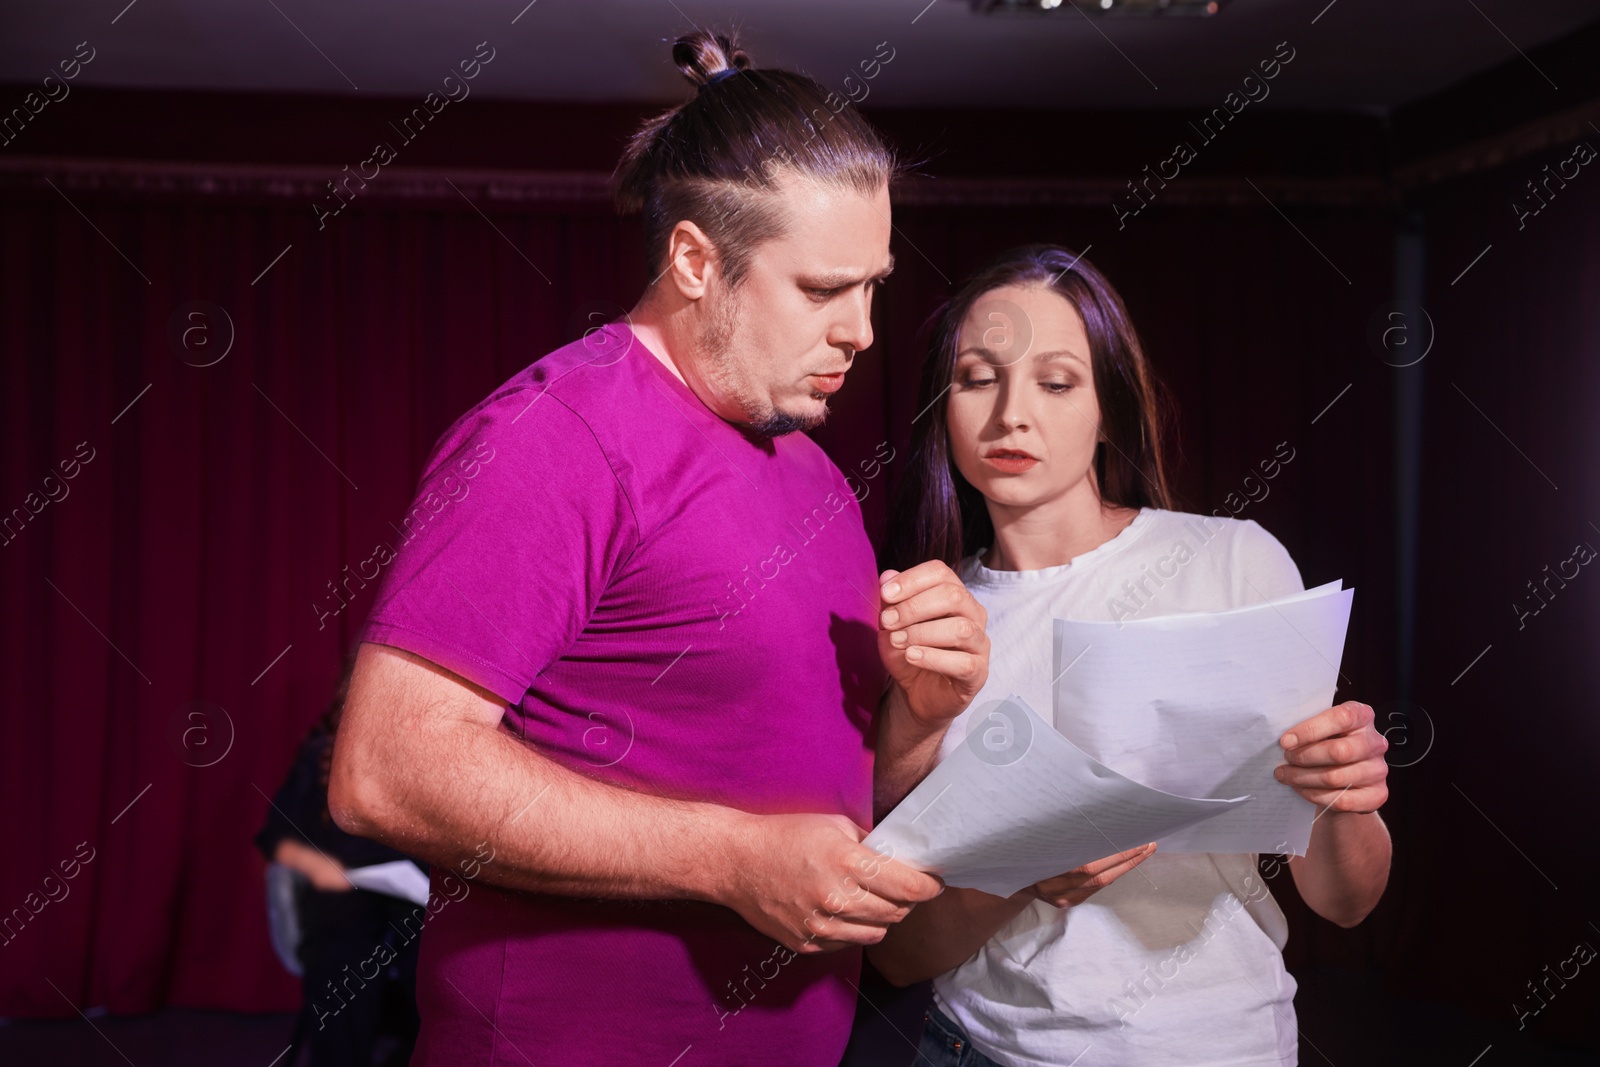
(1262, 567)
(518, 525)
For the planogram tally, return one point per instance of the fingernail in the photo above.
(892, 589)
(1290, 740)
(898, 638)
(891, 617)
(915, 653)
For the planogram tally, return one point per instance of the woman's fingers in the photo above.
(1367, 799)
(927, 591)
(959, 633)
(1116, 859)
(1060, 894)
(1343, 776)
(901, 585)
(930, 610)
(1347, 748)
(1335, 759)
(1361, 787)
(1345, 718)
(962, 668)
(1080, 884)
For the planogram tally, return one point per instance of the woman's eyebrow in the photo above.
(1060, 354)
(1040, 357)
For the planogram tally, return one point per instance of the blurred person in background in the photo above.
(357, 948)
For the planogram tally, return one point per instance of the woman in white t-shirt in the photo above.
(1037, 474)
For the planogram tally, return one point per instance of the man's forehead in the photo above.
(841, 204)
(833, 230)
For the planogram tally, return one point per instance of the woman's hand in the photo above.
(932, 640)
(1077, 886)
(1335, 760)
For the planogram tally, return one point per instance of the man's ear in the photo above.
(691, 259)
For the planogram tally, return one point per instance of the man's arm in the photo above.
(422, 763)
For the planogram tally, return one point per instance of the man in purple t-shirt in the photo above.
(632, 683)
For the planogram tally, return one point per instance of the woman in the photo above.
(1038, 476)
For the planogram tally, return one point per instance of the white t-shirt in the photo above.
(1178, 962)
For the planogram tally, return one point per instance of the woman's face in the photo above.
(1022, 409)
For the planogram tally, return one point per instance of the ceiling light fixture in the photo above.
(1112, 8)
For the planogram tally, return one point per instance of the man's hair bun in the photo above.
(717, 158)
(702, 54)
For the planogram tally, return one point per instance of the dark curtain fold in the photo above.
(197, 553)
(1506, 875)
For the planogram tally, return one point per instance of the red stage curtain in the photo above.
(186, 559)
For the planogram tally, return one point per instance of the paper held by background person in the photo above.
(398, 878)
(1195, 704)
(1019, 803)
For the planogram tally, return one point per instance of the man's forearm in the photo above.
(437, 789)
(1345, 869)
(906, 751)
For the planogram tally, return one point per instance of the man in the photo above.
(619, 686)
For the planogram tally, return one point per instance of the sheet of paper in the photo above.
(1019, 803)
(1195, 703)
(400, 878)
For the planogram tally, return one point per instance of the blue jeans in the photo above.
(945, 1044)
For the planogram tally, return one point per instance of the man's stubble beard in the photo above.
(717, 340)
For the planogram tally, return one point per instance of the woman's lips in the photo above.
(828, 383)
(1010, 464)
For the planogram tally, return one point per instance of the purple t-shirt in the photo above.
(667, 603)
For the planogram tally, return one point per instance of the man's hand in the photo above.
(1077, 886)
(1335, 760)
(932, 639)
(806, 882)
